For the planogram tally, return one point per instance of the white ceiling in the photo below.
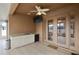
(4, 11)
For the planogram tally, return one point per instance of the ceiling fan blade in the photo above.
(43, 13)
(34, 11)
(45, 9)
(37, 7)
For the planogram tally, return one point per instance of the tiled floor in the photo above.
(33, 49)
(2, 43)
(2, 47)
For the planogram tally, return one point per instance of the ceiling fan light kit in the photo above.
(38, 13)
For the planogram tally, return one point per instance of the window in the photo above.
(50, 30)
(61, 26)
(4, 28)
(72, 30)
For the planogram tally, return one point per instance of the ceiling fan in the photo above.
(40, 11)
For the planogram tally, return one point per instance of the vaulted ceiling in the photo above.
(25, 8)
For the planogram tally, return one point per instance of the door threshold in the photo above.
(73, 52)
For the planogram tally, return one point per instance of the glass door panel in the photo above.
(61, 27)
(50, 30)
(72, 31)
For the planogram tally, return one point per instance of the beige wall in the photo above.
(39, 30)
(77, 33)
(21, 24)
